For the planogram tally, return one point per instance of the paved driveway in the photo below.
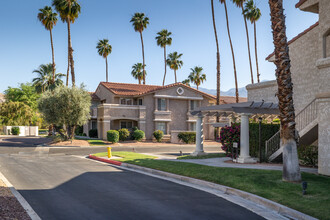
(68, 187)
(8, 141)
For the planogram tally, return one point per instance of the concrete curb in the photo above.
(281, 209)
(26, 206)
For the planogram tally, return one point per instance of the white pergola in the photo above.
(244, 110)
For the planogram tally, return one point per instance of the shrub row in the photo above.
(187, 137)
(114, 136)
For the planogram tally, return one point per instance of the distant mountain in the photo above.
(231, 92)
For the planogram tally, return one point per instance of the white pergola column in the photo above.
(244, 156)
(199, 137)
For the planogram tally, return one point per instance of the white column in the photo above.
(244, 156)
(199, 137)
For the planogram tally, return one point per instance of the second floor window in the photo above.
(193, 104)
(161, 105)
(126, 101)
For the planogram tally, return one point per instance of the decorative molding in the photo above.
(162, 120)
(119, 106)
(162, 112)
(261, 85)
(178, 97)
(323, 63)
(180, 91)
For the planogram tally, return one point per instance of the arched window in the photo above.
(326, 44)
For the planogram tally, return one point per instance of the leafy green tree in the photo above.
(104, 49)
(15, 114)
(49, 19)
(196, 76)
(163, 38)
(137, 72)
(67, 107)
(140, 22)
(253, 14)
(239, 4)
(25, 93)
(69, 11)
(174, 62)
(45, 80)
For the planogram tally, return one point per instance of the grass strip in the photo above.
(265, 183)
(207, 156)
(96, 143)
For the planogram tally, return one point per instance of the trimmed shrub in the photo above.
(229, 135)
(187, 137)
(15, 130)
(138, 135)
(158, 134)
(79, 130)
(93, 133)
(123, 134)
(308, 155)
(113, 136)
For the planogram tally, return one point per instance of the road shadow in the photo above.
(23, 141)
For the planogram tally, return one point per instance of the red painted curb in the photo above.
(105, 160)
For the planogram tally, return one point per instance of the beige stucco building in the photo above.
(310, 67)
(150, 108)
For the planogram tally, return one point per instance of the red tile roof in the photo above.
(296, 38)
(127, 89)
(300, 3)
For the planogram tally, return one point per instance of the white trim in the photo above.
(191, 120)
(162, 112)
(162, 120)
(178, 97)
(124, 118)
(142, 122)
(180, 93)
(119, 106)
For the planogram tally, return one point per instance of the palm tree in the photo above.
(140, 22)
(196, 76)
(49, 19)
(218, 55)
(45, 79)
(253, 14)
(137, 71)
(291, 170)
(69, 11)
(186, 82)
(232, 51)
(164, 39)
(104, 49)
(174, 62)
(239, 3)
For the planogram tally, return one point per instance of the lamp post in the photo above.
(260, 120)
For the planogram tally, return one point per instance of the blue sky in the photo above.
(25, 44)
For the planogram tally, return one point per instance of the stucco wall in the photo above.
(104, 94)
(149, 102)
(262, 91)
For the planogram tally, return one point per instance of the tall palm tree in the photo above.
(291, 170)
(49, 19)
(253, 14)
(239, 3)
(140, 22)
(163, 38)
(174, 62)
(69, 11)
(137, 71)
(218, 55)
(45, 79)
(186, 82)
(196, 76)
(232, 51)
(104, 49)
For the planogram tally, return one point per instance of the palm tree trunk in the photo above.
(256, 51)
(291, 170)
(165, 65)
(106, 65)
(175, 75)
(53, 56)
(232, 53)
(144, 73)
(68, 71)
(248, 44)
(73, 77)
(139, 81)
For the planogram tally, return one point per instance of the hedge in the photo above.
(15, 130)
(158, 134)
(308, 155)
(187, 137)
(113, 136)
(93, 133)
(138, 135)
(123, 134)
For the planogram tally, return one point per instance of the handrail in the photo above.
(307, 115)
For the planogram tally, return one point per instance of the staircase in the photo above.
(307, 127)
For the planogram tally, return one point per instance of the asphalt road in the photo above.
(68, 187)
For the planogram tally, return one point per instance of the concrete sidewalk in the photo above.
(225, 162)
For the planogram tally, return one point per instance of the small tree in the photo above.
(15, 113)
(67, 107)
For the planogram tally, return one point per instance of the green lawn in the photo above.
(96, 143)
(265, 183)
(210, 155)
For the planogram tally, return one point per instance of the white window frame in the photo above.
(165, 126)
(160, 105)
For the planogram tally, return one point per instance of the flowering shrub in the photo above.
(228, 135)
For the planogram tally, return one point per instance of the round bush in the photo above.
(308, 155)
(15, 131)
(138, 135)
(187, 137)
(113, 136)
(159, 135)
(93, 133)
(123, 134)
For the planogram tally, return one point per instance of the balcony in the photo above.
(117, 111)
(164, 116)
